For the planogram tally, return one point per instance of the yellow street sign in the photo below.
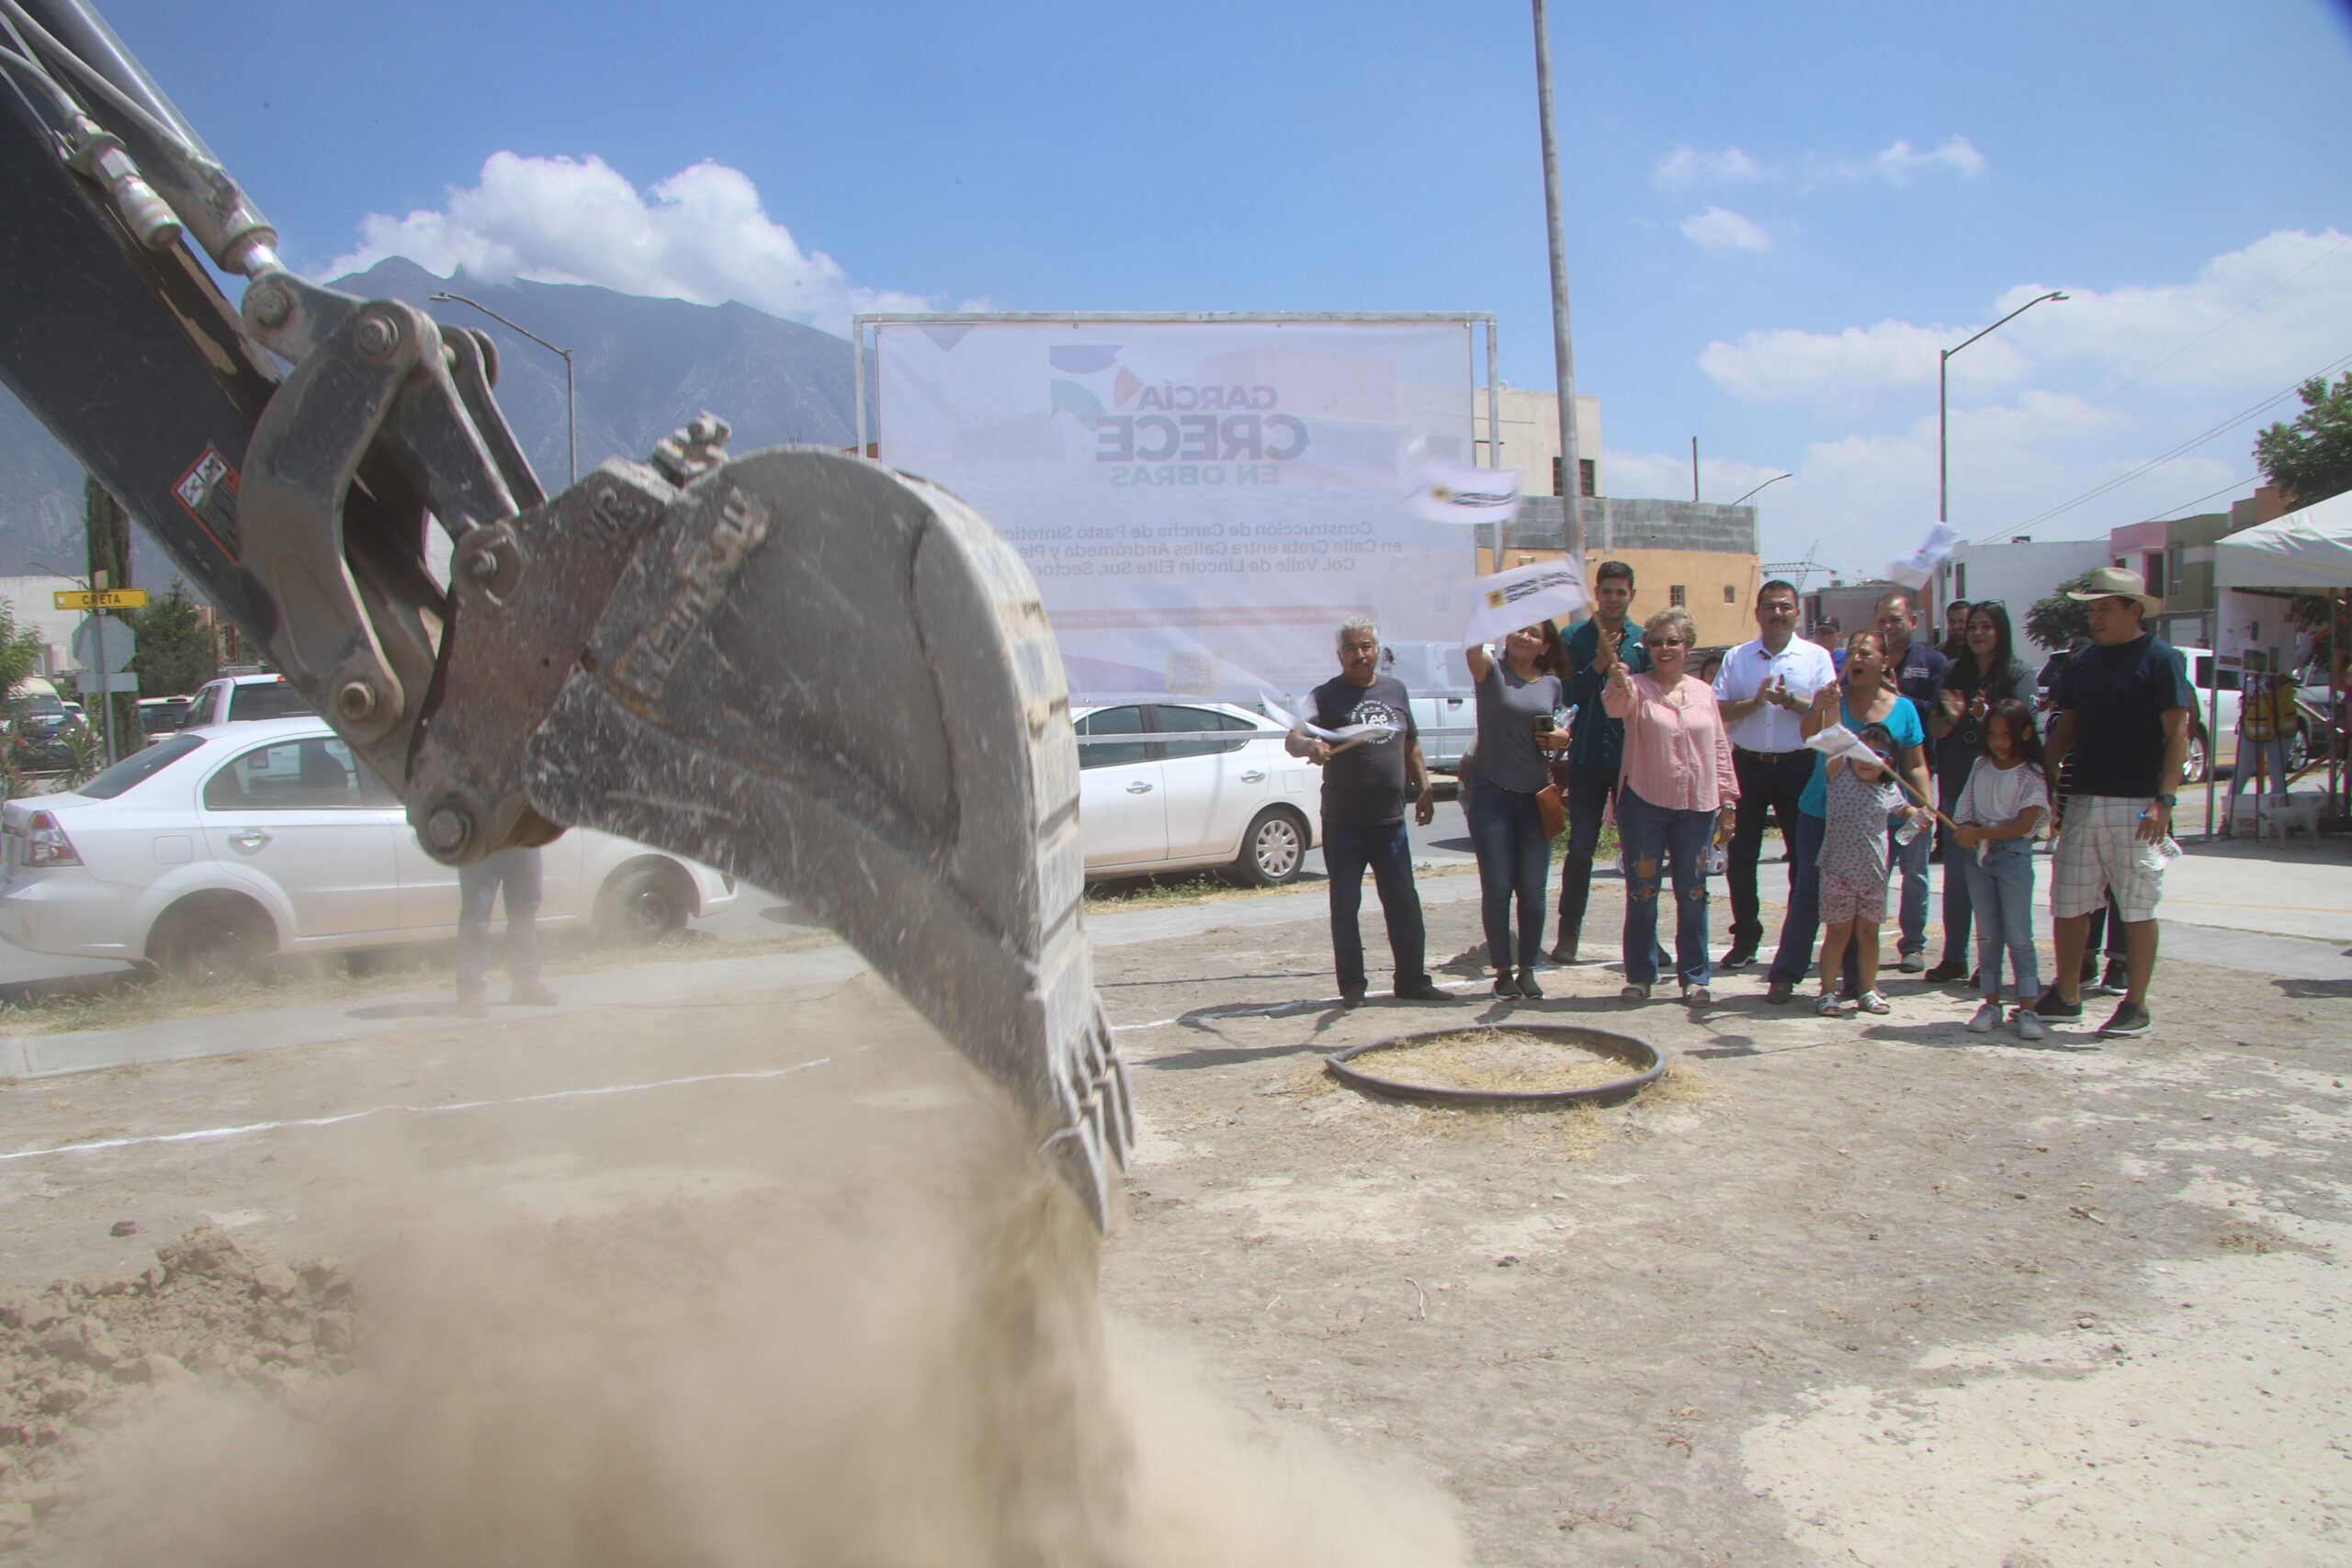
(104, 599)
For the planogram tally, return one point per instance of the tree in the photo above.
(2059, 622)
(106, 528)
(2310, 458)
(176, 650)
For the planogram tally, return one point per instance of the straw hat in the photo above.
(2114, 582)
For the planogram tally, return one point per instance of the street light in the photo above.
(1562, 353)
(571, 423)
(1775, 478)
(1943, 436)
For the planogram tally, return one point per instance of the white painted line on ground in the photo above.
(251, 1127)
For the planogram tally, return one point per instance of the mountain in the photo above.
(642, 368)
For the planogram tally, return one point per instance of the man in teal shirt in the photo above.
(1597, 743)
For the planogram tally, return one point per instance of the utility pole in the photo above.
(1694, 471)
(1562, 353)
(106, 528)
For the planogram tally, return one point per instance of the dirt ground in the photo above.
(1881, 1293)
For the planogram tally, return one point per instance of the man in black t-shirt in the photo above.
(2123, 704)
(1365, 785)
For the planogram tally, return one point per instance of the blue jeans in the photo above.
(478, 887)
(1656, 838)
(1911, 862)
(1959, 889)
(2000, 890)
(1348, 848)
(1587, 798)
(1514, 863)
(1800, 927)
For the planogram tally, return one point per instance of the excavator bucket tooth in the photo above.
(836, 682)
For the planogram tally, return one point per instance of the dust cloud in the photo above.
(910, 1368)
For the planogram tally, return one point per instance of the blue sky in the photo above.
(1778, 212)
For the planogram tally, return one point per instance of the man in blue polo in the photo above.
(1917, 672)
(1597, 743)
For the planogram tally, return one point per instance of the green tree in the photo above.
(20, 657)
(106, 528)
(2059, 622)
(176, 647)
(2310, 456)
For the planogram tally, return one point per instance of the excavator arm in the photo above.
(831, 678)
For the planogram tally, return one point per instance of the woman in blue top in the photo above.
(1519, 693)
(1863, 694)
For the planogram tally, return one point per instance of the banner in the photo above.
(1914, 570)
(1201, 503)
(1456, 492)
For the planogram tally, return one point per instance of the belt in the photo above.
(1769, 756)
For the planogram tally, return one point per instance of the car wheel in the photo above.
(2299, 753)
(206, 940)
(646, 904)
(1272, 850)
(2193, 770)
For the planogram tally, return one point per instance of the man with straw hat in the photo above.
(2124, 706)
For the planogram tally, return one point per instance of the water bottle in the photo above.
(1908, 832)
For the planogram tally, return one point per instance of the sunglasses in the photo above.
(1661, 642)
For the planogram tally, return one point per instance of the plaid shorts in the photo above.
(1842, 900)
(2100, 851)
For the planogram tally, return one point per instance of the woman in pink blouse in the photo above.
(1675, 796)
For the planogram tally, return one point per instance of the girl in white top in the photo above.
(2002, 808)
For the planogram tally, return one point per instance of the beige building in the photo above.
(1695, 555)
(1531, 423)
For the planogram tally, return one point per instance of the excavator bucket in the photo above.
(837, 682)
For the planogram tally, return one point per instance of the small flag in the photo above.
(1914, 570)
(1454, 493)
(1543, 590)
(1839, 741)
(1346, 735)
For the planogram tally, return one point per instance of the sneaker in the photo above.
(1351, 998)
(2090, 969)
(2118, 979)
(1422, 991)
(1871, 1003)
(1634, 994)
(1741, 955)
(1564, 951)
(1779, 992)
(531, 994)
(2030, 1026)
(1506, 985)
(471, 1004)
(1912, 963)
(1987, 1019)
(1697, 996)
(1946, 972)
(2055, 1008)
(2128, 1021)
(1528, 987)
(1828, 1005)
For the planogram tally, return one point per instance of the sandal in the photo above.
(1828, 1005)
(1874, 1004)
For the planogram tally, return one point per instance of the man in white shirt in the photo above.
(1763, 690)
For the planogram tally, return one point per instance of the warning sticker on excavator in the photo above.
(208, 491)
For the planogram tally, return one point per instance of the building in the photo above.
(2016, 573)
(32, 604)
(1531, 424)
(1696, 556)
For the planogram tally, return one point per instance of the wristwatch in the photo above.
(2167, 801)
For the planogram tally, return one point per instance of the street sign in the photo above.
(104, 599)
(123, 681)
(112, 649)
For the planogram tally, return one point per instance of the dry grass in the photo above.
(1498, 1061)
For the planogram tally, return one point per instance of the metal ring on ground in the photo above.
(1646, 1060)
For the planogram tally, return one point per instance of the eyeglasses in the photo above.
(1661, 642)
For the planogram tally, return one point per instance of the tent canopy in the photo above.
(2308, 550)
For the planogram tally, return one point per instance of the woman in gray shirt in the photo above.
(1519, 699)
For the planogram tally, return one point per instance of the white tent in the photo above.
(2309, 550)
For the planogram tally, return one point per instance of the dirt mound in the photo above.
(84, 1356)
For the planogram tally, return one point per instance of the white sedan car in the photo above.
(218, 845)
(1150, 804)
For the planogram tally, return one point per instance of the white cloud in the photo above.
(1687, 166)
(1853, 365)
(701, 234)
(1652, 474)
(1721, 232)
(1899, 161)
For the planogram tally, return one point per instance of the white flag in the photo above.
(1839, 741)
(1454, 493)
(1545, 591)
(1347, 735)
(1914, 570)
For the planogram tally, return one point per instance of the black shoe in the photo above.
(1741, 955)
(1353, 997)
(2090, 969)
(1422, 991)
(1564, 951)
(1910, 964)
(1506, 985)
(1779, 992)
(2052, 1006)
(2118, 979)
(2128, 1023)
(1946, 972)
(1528, 987)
